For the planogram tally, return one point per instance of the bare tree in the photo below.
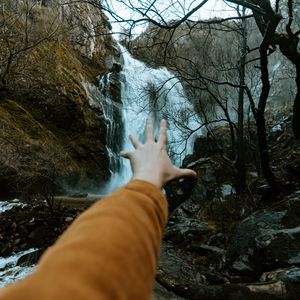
(21, 32)
(171, 16)
(208, 73)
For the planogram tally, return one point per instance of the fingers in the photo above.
(162, 139)
(149, 130)
(135, 143)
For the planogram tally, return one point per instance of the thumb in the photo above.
(126, 154)
(185, 173)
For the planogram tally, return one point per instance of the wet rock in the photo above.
(116, 67)
(30, 259)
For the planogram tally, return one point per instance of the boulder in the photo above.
(185, 231)
(30, 259)
(267, 240)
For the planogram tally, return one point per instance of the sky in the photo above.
(213, 8)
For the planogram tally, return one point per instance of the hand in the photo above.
(150, 162)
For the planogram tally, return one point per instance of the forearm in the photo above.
(109, 252)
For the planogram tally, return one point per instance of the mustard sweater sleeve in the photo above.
(110, 251)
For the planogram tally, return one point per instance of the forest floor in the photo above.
(217, 244)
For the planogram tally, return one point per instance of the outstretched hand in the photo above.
(150, 161)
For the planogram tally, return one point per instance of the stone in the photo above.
(178, 267)
(186, 230)
(267, 240)
(280, 246)
(209, 175)
(277, 128)
(292, 216)
(243, 266)
(217, 239)
(291, 274)
(69, 219)
(161, 293)
(253, 226)
(227, 190)
(30, 259)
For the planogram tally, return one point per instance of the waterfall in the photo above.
(145, 92)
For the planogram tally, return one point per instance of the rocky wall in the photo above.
(51, 138)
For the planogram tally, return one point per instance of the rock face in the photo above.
(51, 137)
(87, 25)
(267, 239)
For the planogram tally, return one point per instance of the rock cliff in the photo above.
(50, 136)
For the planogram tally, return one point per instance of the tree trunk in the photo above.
(296, 108)
(240, 162)
(289, 47)
(260, 118)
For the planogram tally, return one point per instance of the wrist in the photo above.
(149, 178)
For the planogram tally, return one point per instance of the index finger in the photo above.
(162, 139)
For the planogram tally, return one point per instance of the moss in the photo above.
(49, 116)
(47, 123)
(21, 121)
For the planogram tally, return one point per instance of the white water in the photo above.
(146, 92)
(5, 206)
(10, 271)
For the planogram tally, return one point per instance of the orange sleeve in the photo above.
(110, 251)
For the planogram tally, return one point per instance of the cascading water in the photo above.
(145, 92)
